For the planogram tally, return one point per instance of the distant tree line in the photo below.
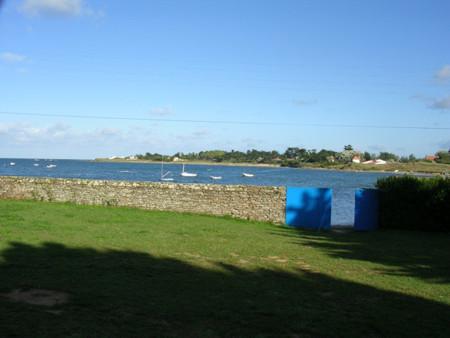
(292, 156)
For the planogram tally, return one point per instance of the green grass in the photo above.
(409, 167)
(134, 273)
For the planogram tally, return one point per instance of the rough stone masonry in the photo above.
(241, 201)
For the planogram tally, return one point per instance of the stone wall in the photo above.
(240, 201)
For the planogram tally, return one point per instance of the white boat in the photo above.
(51, 166)
(12, 163)
(36, 164)
(247, 175)
(186, 174)
(215, 177)
(163, 175)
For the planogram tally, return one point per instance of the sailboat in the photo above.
(163, 175)
(248, 175)
(186, 174)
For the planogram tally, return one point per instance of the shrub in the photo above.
(414, 203)
(443, 157)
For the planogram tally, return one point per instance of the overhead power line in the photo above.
(232, 122)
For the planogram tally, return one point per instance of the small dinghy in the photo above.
(248, 175)
(215, 177)
(12, 163)
(163, 177)
(186, 174)
(50, 166)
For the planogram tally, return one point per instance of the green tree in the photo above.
(386, 156)
(412, 158)
(443, 157)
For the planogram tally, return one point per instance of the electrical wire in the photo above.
(232, 122)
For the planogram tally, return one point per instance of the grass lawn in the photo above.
(135, 273)
(412, 167)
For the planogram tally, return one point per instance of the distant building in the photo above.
(380, 161)
(431, 157)
(356, 159)
(369, 162)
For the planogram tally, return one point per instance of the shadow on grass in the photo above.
(401, 253)
(134, 294)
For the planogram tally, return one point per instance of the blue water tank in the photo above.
(366, 209)
(308, 208)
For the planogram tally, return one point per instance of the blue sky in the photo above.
(296, 62)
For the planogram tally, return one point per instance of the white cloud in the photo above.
(20, 133)
(161, 111)
(441, 104)
(12, 57)
(443, 74)
(58, 8)
(64, 141)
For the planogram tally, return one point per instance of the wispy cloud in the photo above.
(65, 141)
(12, 57)
(303, 102)
(441, 104)
(58, 8)
(250, 142)
(376, 148)
(19, 133)
(161, 111)
(192, 137)
(434, 103)
(444, 144)
(443, 74)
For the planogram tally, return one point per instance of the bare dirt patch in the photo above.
(37, 297)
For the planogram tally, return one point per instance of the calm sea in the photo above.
(342, 183)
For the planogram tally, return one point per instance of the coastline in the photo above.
(418, 169)
(229, 164)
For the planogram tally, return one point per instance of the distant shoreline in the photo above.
(230, 164)
(390, 168)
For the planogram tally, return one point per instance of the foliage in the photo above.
(443, 157)
(292, 156)
(414, 203)
(346, 156)
(386, 156)
(348, 147)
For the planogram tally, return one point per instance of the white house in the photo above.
(356, 159)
